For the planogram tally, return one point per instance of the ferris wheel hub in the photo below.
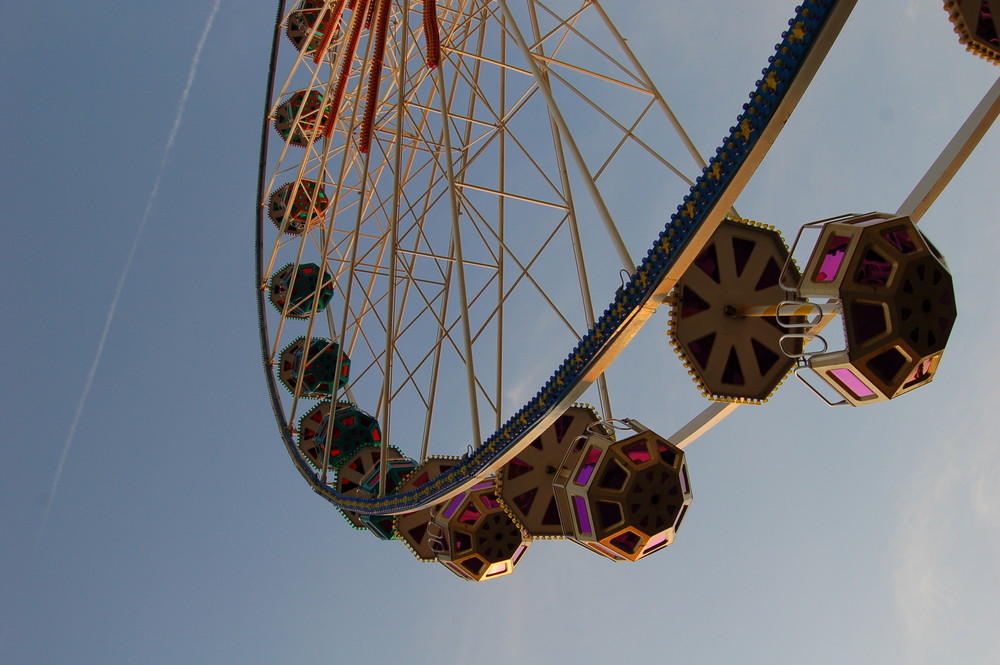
(733, 351)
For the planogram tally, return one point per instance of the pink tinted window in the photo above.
(498, 568)
(901, 240)
(469, 515)
(626, 542)
(851, 382)
(637, 452)
(921, 374)
(655, 542)
(453, 506)
(874, 269)
(680, 518)
(582, 519)
(590, 460)
(836, 250)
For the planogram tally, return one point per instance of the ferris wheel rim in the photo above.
(639, 294)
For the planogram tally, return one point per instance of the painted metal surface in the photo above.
(811, 33)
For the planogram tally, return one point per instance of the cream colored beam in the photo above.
(953, 156)
(701, 423)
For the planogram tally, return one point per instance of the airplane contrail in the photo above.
(181, 105)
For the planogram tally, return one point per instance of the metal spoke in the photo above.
(467, 214)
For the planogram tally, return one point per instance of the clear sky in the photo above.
(179, 531)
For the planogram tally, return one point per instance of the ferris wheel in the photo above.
(447, 203)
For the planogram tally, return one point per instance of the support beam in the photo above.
(953, 156)
(701, 423)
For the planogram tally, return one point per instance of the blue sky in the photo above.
(180, 533)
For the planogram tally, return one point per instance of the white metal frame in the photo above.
(454, 122)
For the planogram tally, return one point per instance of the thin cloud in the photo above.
(921, 585)
(951, 513)
(171, 137)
